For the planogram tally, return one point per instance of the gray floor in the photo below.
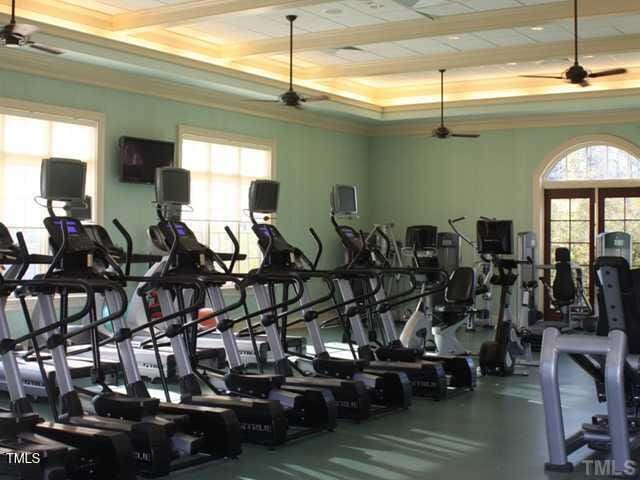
(495, 432)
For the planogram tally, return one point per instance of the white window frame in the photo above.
(41, 111)
(219, 137)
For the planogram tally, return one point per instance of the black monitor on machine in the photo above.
(173, 186)
(421, 237)
(344, 200)
(62, 179)
(495, 237)
(263, 196)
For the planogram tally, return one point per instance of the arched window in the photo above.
(584, 187)
(595, 162)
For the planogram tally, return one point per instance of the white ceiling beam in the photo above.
(474, 58)
(191, 12)
(424, 27)
(42, 10)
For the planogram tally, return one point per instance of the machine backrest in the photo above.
(461, 287)
(564, 287)
(629, 285)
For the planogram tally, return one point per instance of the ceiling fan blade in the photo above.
(24, 29)
(607, 73)
(45, 48)
(260, 100)
(318, 98)
(465, 135)
(542, 76)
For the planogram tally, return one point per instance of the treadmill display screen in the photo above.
(72, 227)
(182, 231)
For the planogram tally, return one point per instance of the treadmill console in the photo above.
(78, 241)
(282, 253)
(187, 241)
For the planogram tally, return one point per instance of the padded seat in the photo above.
(564, 287)
(630, 290)
(458, 297)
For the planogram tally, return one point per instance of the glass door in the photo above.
(619, 211)
(569, 222)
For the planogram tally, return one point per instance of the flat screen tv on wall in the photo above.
(139, 158)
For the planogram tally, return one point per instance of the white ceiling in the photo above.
(318, 19)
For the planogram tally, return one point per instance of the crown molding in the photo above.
(421, 129)
(76, 72)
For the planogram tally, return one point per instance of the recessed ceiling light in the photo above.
(454, 37)
(512, 64)
(537, 29)
(333, 11)
(375, 5)
(588, 56)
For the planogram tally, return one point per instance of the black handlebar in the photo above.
(129, 243)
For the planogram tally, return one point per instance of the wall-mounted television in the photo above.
(140, 157)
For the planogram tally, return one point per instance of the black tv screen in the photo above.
(139, 159)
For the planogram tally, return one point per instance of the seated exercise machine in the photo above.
(30, 447)
(361, 387)
(270, 410)
(566, 294)
(495, 239)
(436, 319)
(166, 437)
(612, 358)
(432, 374)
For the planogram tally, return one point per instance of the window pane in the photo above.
(633, 208)
(227, 195)
(560, 232)
(595, 162)
(580, 253)
(579, 209)
(614, 226)
(195, 156)
(617, 163)
(225, 159)
(614, 208)
(26, 136)
(73, 141)
(579, 231)
(254, 163)
(577, 165)
(560, 208)
(633, 229)
(636, 255)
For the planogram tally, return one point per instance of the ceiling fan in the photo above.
(442, 131)
(18, 35)
(291, 98)
(577, 74)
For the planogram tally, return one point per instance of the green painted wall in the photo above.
(426, 181)
(308, 160)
